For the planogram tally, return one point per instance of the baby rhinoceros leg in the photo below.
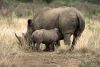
(33, 47)
(38, 46)
(52, 47)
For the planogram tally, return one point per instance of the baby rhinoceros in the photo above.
(47, 37)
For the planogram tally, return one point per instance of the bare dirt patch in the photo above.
(40, 59)
(51, 59)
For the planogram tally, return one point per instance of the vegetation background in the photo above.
(13, 19)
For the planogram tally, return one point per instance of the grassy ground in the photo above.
(86, 53)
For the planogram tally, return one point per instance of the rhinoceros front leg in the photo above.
(38, 46)
(33, 47)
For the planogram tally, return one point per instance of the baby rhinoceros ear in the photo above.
(29, 22)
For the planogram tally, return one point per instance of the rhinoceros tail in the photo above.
(79, 30)
(80, 26)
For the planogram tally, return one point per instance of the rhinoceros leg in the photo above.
(57, 44)
(38, 46)
(67, 40)
(73, 43)
(33, 47)
(52, 47)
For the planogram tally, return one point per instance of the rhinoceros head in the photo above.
(23, 42)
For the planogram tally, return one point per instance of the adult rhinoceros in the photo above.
(67, 19)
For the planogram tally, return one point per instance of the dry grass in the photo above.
(8, 42)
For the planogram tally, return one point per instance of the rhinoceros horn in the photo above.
(19, 39)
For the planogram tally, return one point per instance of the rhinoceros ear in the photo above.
(29, 22)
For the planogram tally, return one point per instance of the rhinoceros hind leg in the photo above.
(67, 40)
(73, 43)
